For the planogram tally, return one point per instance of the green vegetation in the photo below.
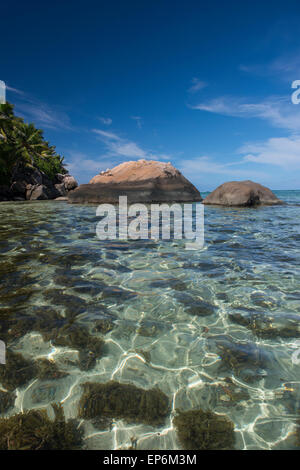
(123, 401)
(204, 430)
(23, 143)
(33, 430)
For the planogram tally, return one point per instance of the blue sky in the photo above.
(205, 85)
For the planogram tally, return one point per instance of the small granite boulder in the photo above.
(142, 181)
(60, 188)
(70, 182)
(242, 193)
(41, 192)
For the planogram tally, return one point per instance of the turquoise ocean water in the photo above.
(216, 328)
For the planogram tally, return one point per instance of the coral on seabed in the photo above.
(204, 430)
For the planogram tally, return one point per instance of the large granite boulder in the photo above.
(242, 193)
(143, 181)
(69, 182)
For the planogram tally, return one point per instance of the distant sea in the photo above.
(216, 329)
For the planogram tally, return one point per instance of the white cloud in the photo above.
(128, 149)
(14, 90)
(278, 110)
(41, 113)
(106, 135)
(196, 85)
(207, 165)
(280, 151)
(44, 115)
(285, 67)
(106, 121)
(120, 147)
(138, 120)
(83, 167)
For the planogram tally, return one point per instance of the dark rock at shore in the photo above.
(29, 183)
(5, 193)
(40, 192)
(141, 181)
(242, 193)
(26, 174)
(60, 188)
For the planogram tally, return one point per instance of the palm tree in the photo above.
(22, 142)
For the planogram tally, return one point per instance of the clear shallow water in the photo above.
(233, 355)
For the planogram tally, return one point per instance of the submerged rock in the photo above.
(268, 326)
(33, 430)
(204, 430)
(248, 361)
(242, 193)
(141, 181)
(123, 401)
(195, 306)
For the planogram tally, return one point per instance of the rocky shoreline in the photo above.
(141, 181)
(28, 183)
